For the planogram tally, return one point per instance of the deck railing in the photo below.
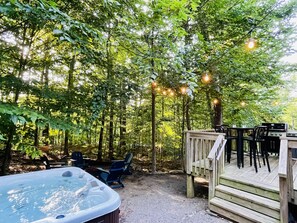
(198, 146)
(285, 173)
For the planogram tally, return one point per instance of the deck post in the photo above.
(284, 207)
(190, 186)
(211, 182)
(283, 180)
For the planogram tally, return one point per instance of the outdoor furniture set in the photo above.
(256, 138)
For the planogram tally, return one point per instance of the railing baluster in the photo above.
(198, 165)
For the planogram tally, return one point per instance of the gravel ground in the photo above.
(162, 198)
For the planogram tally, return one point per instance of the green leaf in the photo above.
(2, 138)
(14, 119)
(52, 3)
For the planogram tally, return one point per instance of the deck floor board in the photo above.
(248, 173)
(263, 177)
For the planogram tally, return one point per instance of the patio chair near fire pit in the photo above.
(113, 177)
(128, 162)
(78, 160)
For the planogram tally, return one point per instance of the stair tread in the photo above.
(250, 197)
(253, 184)
(242, 211)
(264, 190)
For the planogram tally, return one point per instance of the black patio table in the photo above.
(239, 143)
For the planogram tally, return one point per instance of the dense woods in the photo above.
(112, 76)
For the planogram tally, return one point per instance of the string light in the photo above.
(251, 43)
(242, 103)
(206, 77)
(183, 90)
(216, 101)
(167, 91)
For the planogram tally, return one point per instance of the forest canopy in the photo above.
(112, 75)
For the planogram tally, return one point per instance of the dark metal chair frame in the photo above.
(229, 137)
(259, 136)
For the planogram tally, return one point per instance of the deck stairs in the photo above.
(245, 202)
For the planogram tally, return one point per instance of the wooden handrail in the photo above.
(216, 164)
(214, 150)
(283, 159)
(221, 150)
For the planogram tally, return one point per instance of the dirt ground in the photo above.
(162, 198)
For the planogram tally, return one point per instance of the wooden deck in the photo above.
(263, 178)
(241, 194)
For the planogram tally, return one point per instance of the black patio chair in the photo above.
(77, 160)
(221, 128)
(259, 138)
(113, 176)
(128, 161)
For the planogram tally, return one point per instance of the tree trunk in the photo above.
(123, 122)
(183, 133)
(70, 91)
(45, 134)
(7, 153)
(217, 113)
(111, 135)
(66, 143)
(151, 44)
(100, 144)
(210, 111)
(187, 111)
(187, 66)
(154, 161)
(36, 135)
(45, 82)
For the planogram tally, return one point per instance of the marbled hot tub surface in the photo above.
(57, 195)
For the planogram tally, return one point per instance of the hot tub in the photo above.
(57, 195)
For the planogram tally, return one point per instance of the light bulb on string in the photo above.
(251, 43)
(183, 90)
(242, 103)
(206, 77)
(216, 101)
